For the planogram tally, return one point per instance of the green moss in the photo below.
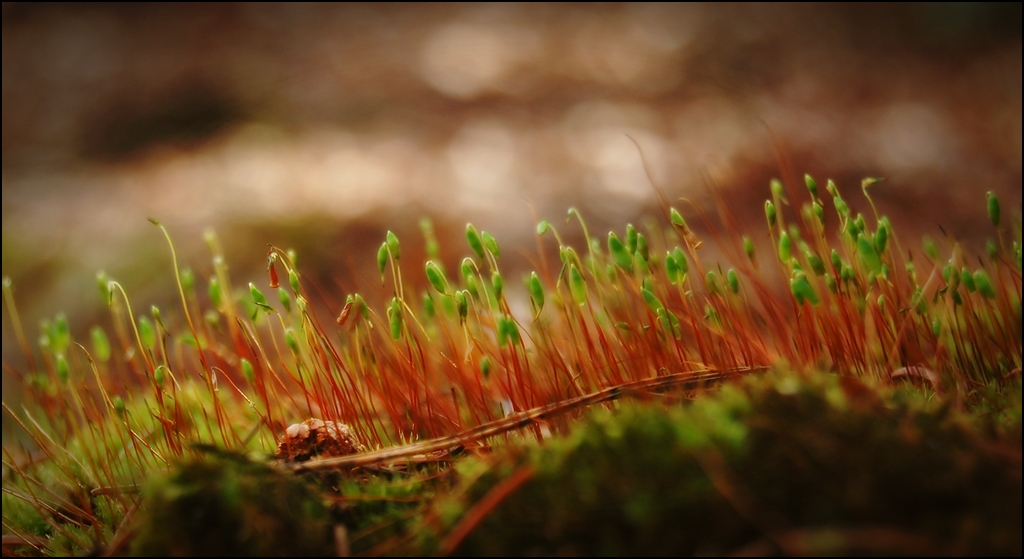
(797, 465)
(782, 464)
(224, 504)
(379, 510)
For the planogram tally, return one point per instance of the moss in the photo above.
(777, 465)
(223, 504)
(380, 511)
(927, 460)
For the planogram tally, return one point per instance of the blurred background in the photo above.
(320, 127)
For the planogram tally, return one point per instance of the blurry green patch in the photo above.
(778, 465)
(223, 504)
(379, 510)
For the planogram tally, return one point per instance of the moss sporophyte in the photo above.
(872, 400)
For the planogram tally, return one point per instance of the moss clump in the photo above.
(222, 504)
(779, 465)
(790, 466)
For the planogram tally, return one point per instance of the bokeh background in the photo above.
(320, 127)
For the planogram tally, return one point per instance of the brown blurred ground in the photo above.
(319, 127)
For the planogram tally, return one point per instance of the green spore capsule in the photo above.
(188, 280)
(258, 298)
(672, 269)
(643, 251)
(61, 338)
(291, 341)
(361, 306)
(802, 290)
(830, 283)
(503, 335)
(669, 322)
(622, 257)
(466, 268)
(119, 406)
(882, 235)
(918, 301)
(382, 259)
(748, 248)
(812, 186)
(393, 247)
(430, 242)
(146, 333)
(631, 238)
(473, 286)
(711, 283)
(286, 300)
(984, 284)
(498, 284)
(652, 300)
(102, 283)
(951, 275)
(491, 244)
(155, 311)
(536, 291)
(436, 277)
(681, 261)
(931, 250)
(868, 256)
(214, 293)
(508, 331)
(841, 208)
(819, 212)
(816, 263)
(462, 303)
(100, 344)
(994, 212)
(785, 247)
(577, 286)
(475, 242)
(63, 369)
(395, 319)
(967, 279)
(677, 218)
(247, 371)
